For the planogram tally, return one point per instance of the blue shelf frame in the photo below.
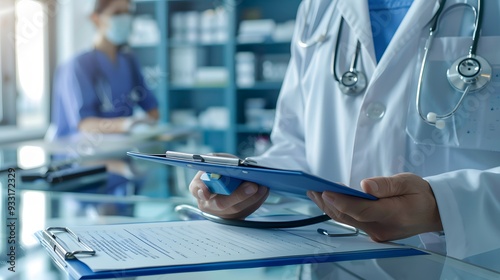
(231, 141)
(163, 59)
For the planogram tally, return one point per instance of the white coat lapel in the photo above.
(356, 15)
(418, 16)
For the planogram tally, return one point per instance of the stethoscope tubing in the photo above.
(352, 82)
(472, 54)
(355, 58)
(270, 224)
(254, 224)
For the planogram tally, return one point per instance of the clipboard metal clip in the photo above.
(231, 161)
(52, 242)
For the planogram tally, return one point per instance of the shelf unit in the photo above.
(236, 136)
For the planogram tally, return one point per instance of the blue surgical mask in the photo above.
(119, 29)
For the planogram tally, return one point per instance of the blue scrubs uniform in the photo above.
(385, 17)
(91, 85)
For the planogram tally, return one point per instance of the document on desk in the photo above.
(188, 243)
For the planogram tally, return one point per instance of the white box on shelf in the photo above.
(245, 69)
(214, 118)
(256, 31)
(183, 66)
(145, 32)
(212, 76)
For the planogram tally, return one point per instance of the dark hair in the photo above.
(101, 5)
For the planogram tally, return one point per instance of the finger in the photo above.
(331, 211)
(337, 204)
(388, 186)
(240, 209)
(357, 208)
(228, 205)
(376, 231)
(197, 187)
(340, 217)
(243, 192)
(250, 205)
(315, 197)
(362, 210)
(326, 206)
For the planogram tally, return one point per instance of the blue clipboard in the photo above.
(278, 180)
(79, 270)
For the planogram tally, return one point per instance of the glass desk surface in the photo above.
(138, 191)
(40, 209)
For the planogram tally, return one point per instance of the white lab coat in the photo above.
(343, 138)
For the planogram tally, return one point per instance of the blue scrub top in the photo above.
(385, 17)
(91, 85)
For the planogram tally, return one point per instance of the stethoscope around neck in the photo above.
(467, 74)
(351, 82)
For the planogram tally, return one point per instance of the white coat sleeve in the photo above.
(287, 137)
(469, 206)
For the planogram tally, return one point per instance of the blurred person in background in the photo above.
(97, 90)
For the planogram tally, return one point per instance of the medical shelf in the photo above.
(266, 47)
(261, 86)
(173, 44)
(253, 130)
(266, 43)
(197, 88)
(237, 137)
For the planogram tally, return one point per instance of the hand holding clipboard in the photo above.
(230, 172)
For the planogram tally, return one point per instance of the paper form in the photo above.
(144, 245)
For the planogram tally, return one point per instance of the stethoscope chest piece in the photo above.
(352, 82)
(472, 72)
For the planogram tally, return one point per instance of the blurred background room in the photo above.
(215, 67)
(85, 81)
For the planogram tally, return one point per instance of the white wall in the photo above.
(75, 31)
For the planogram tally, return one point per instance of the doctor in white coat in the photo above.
(428, 179)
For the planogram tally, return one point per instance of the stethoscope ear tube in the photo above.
(467, 74)
(304, 43)
(353, 81)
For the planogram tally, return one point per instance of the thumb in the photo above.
(382, 186)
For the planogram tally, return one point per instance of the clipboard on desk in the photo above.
(278, 180)
(142, 249)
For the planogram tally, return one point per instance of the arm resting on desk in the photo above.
(115, 125)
